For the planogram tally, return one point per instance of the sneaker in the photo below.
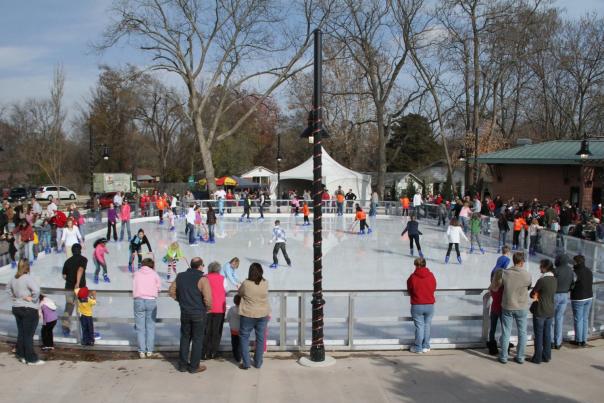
(152, 355)
(425, 350)
(106, 278)
(141, 355)
(96, 279)
(274, 266)
(39, 362)
(22, 360)
(415, 350)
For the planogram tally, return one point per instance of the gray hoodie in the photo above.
(564, 273)
(516, 283)
(22, 287)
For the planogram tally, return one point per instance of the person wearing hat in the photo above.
(86, 302)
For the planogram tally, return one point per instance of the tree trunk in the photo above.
(206, 154)
(381, 171)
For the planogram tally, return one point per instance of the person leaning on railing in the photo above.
(421, 286)
(581, 295)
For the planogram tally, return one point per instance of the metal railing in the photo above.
(355, 320)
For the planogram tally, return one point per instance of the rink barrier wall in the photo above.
(551, 242)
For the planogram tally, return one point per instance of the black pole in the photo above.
(278, 172)
(91, 158)
(317, 350)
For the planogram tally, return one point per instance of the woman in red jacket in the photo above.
(421, 285)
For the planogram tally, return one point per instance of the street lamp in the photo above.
(279, 159)
(315, 132)
(92, 162)
(464, 156)
(584, 152)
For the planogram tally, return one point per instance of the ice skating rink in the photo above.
(378, 261)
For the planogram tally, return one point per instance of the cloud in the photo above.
(13, 56)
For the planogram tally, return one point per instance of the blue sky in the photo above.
(36, 35)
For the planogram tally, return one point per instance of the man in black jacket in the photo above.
(191, 290)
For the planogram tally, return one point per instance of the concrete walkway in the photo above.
(574, 375)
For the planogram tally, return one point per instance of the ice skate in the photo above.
(106, 278)
(459, 259)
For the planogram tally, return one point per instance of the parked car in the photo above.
(45, 192)
(105, 199)
(18, 194)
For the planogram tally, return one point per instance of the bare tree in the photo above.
(213, 45)
(369, 36)
(38, 125)
(162, 118)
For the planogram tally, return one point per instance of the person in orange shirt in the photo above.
(161, 205)
(340, 200)
(405, 203)
(306, 212)
(519, 225)
(362, 218)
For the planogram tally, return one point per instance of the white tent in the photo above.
(333, 173)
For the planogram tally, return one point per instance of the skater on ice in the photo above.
(279, 239)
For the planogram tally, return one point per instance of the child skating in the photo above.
(172, 220)
(454, 235)
(173, 255)
(361, 217)
(136, 248)
(279, 239)
(475, 229)
(100, 250)
(412, 229)
(306, 212)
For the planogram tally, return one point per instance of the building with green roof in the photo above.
(548, 171)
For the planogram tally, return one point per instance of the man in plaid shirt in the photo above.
(279, 239)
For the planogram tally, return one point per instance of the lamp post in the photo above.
(91, 160)
(315, 133)
(279, 158)
(464, 155)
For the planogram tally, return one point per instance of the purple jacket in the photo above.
(48, 315)
(112, 215)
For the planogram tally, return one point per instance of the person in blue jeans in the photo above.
(564, 275)
(421, 286)
(581, 295)
(145, 289)
(516, 283)
(254, 311)
(543, 312)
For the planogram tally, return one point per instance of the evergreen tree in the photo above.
(411, 145)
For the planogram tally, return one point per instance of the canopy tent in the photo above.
(223, 181)
(334, 175)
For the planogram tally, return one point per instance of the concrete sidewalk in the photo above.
(574, 375)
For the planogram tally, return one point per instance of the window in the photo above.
(64, 189)
(51, 189)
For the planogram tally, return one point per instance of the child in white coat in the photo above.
(454, 235)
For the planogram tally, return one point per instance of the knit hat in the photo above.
(83, 293)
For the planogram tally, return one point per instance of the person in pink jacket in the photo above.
(145, 289)
(98, 257)
(125, 218)
(215, 318)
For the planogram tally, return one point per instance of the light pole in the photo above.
(316, 132)
(464, 155)
(279, 158)
(91, 160)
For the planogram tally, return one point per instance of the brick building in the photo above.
(548, 171)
